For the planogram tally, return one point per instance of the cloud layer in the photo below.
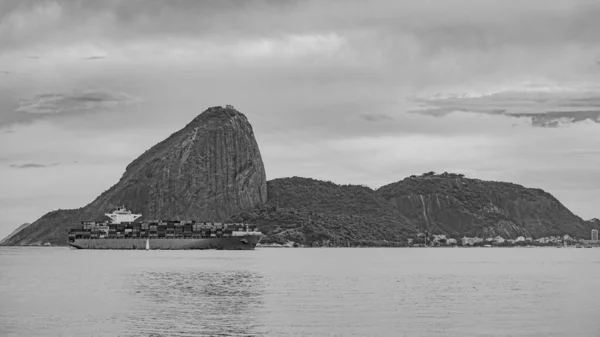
(63, 104)
(545, 108)
(30, 165)
(336, 90)
(76, 101)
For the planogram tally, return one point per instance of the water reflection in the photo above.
(208, 303)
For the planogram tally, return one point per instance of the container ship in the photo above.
(123, 232)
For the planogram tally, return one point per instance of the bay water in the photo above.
(48, 291)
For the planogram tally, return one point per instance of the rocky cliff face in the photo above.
(458, 206)
(207, 171)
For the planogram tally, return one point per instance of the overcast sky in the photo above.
(335, 90)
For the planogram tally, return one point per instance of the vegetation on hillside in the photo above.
(312, 212)
(456, 205)
(320, 213)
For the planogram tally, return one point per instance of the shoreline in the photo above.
(337, 247)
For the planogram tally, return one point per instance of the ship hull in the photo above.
(247, 242)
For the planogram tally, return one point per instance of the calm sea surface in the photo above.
(300, 292)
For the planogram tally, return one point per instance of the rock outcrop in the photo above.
(207, 171)
(454, 205)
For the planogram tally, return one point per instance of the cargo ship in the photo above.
(123, 232)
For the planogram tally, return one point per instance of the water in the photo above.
(300, 292)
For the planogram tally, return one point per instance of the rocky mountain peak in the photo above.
(207, 171)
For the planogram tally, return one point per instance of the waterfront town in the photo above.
(442, 240)
(566, 240)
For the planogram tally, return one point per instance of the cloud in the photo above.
(307, 72)
(585, 152)
(5, 72)
(558, 118)
(30, 165)
(74, 102)
(545, 108)
(376, 117)
(90, 58)
(65, 106)
(458, 24)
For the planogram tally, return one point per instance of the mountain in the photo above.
(317, 213)
(212, 170)
(314, 212)
(209, 170)
(458, 206)
(14, 232)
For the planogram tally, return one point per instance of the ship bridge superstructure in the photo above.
(121, 214)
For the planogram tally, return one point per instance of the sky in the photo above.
(352, 92)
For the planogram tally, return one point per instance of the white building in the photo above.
(438, 237)
(543, 240)
(471, 241)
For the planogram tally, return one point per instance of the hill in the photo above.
(320, 213)
(455, 205)
(20, 228)
(317, 213)
(209, 170)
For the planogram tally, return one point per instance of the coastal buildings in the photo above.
(543, 240)
(466, 241)
(439, 237)
(441, 240)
